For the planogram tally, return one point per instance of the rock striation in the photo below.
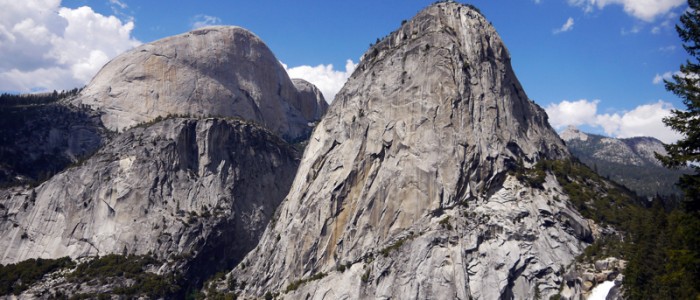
(195, 192)
(213, 71)
(405, 190)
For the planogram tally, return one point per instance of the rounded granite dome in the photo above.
(213, 71)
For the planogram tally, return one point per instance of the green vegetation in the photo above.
(533, 177)
(365, 276)
(646, 180)
(445, 223)
(35, 99)
(296, 284)
(396, 245)
(127, 275)
(594, 197)
(340, 268)
(114, 268)
(26, 123)
(687, 122)
(658, 242)
(213, 293)
(665, 260)
(16, 278)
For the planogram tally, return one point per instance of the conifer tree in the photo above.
(686, 85)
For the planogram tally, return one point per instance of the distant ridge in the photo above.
(628, 161)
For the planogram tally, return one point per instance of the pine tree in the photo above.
(686, 85)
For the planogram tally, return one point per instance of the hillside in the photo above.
(628, 161)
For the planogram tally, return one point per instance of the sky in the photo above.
(595, 64)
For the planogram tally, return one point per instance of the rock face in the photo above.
(196, 192)
(213, 71)
(404, 190)
(629, 161)
(310, 110)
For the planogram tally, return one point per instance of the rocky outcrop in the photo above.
(212, 71)
(195, 192)
(310, 110)
(582, 280)
(572, 133)
(628, 161)
(404, 191)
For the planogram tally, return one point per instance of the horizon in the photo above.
(596, 65)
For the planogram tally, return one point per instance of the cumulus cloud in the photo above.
(569, 25)
(200, 21)
(643, 120)
(328, 80)
(574, 113)
(646, 10)
(53, 47)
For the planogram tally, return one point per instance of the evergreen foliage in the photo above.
(115, 268)
(124, 275)
(27, 123)
(646, 179)
(16, 278)
(659, 244)
(664, 260)
(686, 85)
(35, 99)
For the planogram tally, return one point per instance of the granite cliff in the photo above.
(201, 189)
(431, 176)
(199, 162)
(407, 189)
(214, 71)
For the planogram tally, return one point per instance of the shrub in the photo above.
(16, 278)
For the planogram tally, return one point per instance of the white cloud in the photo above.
(670, 48)
(665, 25)
(643, 120)
(328, 80)
(659, 78)
(569, 25)
(119, 8)
(646, 10)
(571, 112)
(634, 30)
(54, 47)
(118, 3)
(200, 21)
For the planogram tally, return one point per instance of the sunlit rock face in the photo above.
(213, 71)
(404, 191)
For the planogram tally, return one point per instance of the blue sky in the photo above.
(590, 63)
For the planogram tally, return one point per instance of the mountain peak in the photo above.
(431, 122)
(439, 18)
(571, 133)
(212, 71)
